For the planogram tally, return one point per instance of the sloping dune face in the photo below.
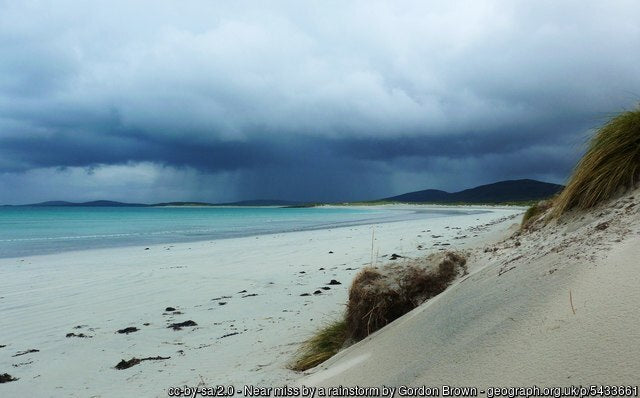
(554, 306)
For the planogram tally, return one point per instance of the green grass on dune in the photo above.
(535, 211)
(530, 213)
(610, 165)
(322, 346)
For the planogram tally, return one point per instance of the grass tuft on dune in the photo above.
(372, 304)
(322, 346)
(377, 297)
(534, 212)
(610, 165)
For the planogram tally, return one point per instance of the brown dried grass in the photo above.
(376, 299)
(372, 304)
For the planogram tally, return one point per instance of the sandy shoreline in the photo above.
(248, 339)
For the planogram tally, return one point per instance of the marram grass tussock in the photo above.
(610, 165)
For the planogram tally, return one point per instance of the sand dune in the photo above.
(553, 307)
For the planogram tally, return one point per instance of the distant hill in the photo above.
(109, 203)
(257, 202)
(185, 204)
(499, 192)
(95, 203)
(262, 202)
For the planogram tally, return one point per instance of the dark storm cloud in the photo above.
(310, 101)
(90, 150)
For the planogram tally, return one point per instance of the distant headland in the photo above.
(502, 192)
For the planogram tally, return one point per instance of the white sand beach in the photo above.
(244, 294)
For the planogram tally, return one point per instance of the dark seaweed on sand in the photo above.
(6, 377)
(128, 330)
(134, 361)
(82, 335)
(180, 325)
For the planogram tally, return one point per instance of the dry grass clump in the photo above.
(322, 346)
(419, 284)
(376, 299)
(372, 304)
(378, 296)
(610, 165)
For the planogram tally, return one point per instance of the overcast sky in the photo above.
(151, 101)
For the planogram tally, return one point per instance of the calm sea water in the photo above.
(40, 230)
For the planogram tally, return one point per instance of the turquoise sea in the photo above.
(39, 230)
